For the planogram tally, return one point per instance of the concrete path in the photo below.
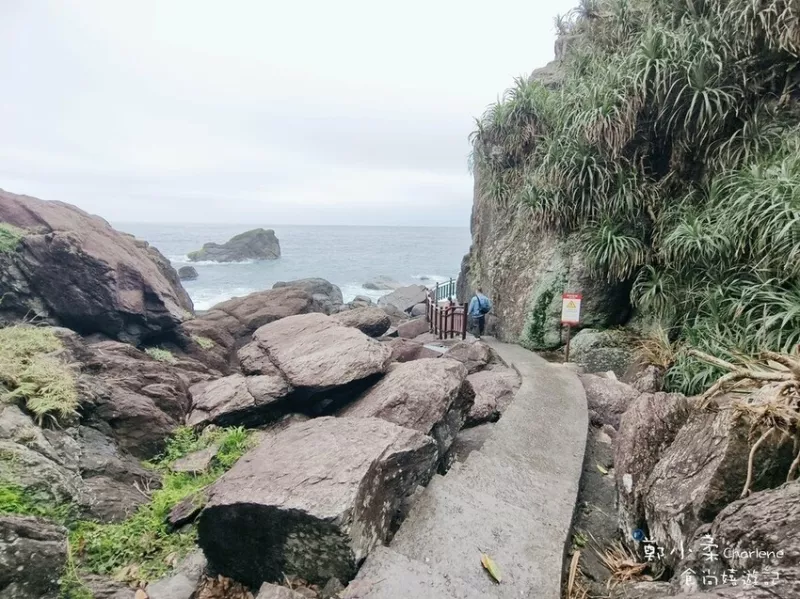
(513, 500)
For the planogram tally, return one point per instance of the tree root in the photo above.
(751, 459)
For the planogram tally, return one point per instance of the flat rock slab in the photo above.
(405, 298)
(32, 555)
(312, 500)
(494, 390)
(237, 399)
(429, 395)
(370, 320)
(315, 352)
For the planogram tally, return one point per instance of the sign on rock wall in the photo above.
(571, 308)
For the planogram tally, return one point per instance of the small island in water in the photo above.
(257, 244)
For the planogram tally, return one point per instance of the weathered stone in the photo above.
(431, 396)
(327, 295)
(257, 244)
(109, 500)
(703, 471)
(405, 298)
(382, 283)
(494, 391)
(607, 399)
(254, 360)
(181, 584)
(32, 555)
(187, 510)
(314, 498)
(396, 315)
(273, 591)
(647, 378)
(315, 353)
(413, 328)
(236, 399)
(196, 462)
(332, 589)
(475, 355)
(467, 440)
(406, 350)
(41, 478)
(187, 273)
(371, 321)
(105, 588)
(646, 430)
(194, 337)
(601, 351)
(74, 269)
(420, 309)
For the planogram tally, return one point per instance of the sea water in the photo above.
(346, 256)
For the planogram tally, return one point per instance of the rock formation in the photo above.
(325, 293)
(73, 269)
(405, 298)
(257, 244)
(187, 273)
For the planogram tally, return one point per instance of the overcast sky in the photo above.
(290, 112)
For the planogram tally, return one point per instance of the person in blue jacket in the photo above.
(479, 307)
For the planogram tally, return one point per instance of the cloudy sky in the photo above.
(315, 112)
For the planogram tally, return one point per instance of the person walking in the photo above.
(479, 307)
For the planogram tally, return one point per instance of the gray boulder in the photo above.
(182, 582)
(420, 309)
(236, 399)
(467, 440)
(325, 294)
(314, 352)
(371, 321)
(646, 430)
(428, 395)
(405, 298)
(475, 355)
(406, 350)
(607, 399)
(314, 498)
(274, 591)
(187, 273)
(256, 244)
(33, 553)
(703, 471)
(494, 391)
(601, 351)
(381, 284)
(413, 328)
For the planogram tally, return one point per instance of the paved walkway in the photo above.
(513, 500)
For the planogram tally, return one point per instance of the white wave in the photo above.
(431, 278)
(351, 290)
(185, 260)
(205, 299)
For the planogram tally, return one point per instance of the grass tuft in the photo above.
(203, 342)
(160, 354)
(32, 374)
(10, 236)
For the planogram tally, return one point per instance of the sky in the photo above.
(316, 112)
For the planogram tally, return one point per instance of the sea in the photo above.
(347, 256)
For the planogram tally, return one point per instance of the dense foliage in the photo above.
(673, 144)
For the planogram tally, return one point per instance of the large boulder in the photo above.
(256, 244)
(237, 400)
(704, 470)
(371, 321)
(430, 395)
(406, 350)
(607, 399)
(405, 298)
(73, 269)
(413, 328)
(475, 355)
(312, 500)
(327, 295)
(601, 351)
(315, 353)
(187, 273)
(647, 429)
(239, 317)
(182, 581)
(33, 553)
(494, 391)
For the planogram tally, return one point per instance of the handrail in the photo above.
(448, 320)
(445, 291)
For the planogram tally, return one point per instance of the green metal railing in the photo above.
(445, 291)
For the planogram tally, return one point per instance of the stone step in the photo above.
(453, 523)
(387, 574)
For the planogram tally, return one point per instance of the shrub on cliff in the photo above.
(30, 372)
(673, 144)
(10, 236)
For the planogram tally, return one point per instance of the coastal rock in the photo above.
(601, 351)
(475, 355)
(107, 500)
(371, 321)
(254, 360)
(382, 284)
(73, 269)
(274, 591)
(406, 350)
(106, 588)
(32, 556)
(467, 440)
(181, 584)
(326, 295)
(647, 378)
(494, 391)
(607, 399)
(187, 273)
(236, 400)
(420, 309)
(315, 497)
(703, 471)
(405, 298)
(208, 343)
(361, 301)
(413, 328)
(256, 244)
(241, 316)
(646, 430)
(428, 395)
(315, 353)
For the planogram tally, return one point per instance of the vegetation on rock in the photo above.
(672, 144)
(31, 371)
(10, 236)
(160, 354)
(203, 342)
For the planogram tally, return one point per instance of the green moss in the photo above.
(160, 354)
(143, 547)
(16, 500)
(533, 335)
(203, 342)
(10, 236)
(30, 372)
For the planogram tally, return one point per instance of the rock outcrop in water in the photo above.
(187, 273)
(257, 244)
